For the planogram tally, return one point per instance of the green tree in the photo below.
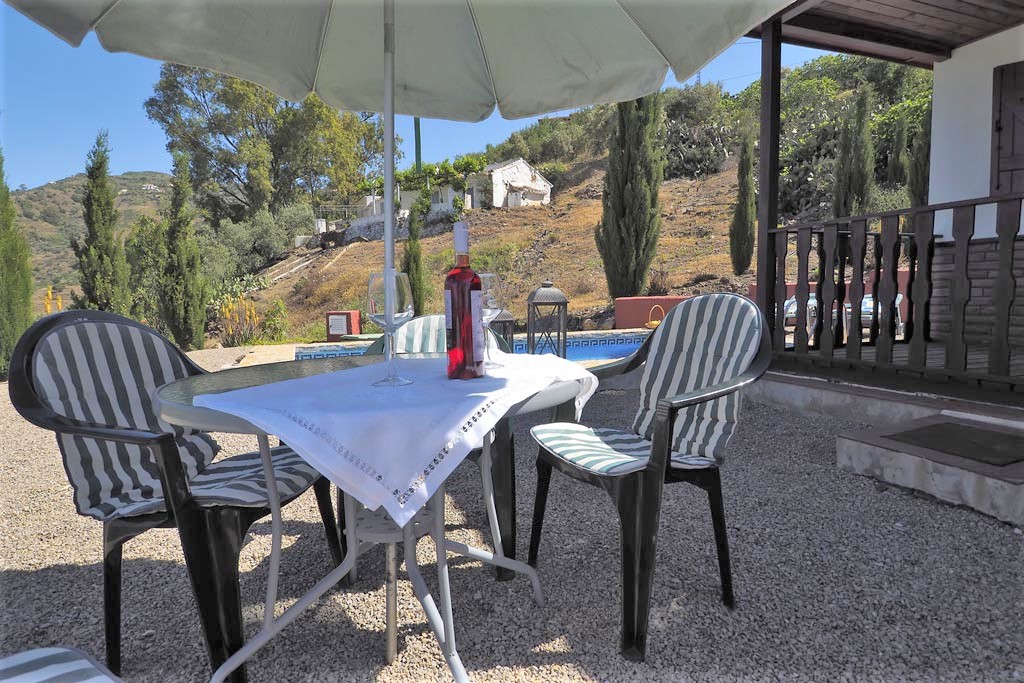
(183, 300)
(855, 165)
(631, 219)
(15, 277)
(920, 161)
(412, 257)
(146, 251)
(898, 165)
(741, 230)
(103, 269)
(250, 150)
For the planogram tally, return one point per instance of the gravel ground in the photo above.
(837, 577)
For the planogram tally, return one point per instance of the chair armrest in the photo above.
(758, 367)
(613, 369)
(140, 437)
(624, 365)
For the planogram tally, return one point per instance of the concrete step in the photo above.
(964, 460)
(875, 405)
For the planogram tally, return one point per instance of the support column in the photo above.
(768, 166)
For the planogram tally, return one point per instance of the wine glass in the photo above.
(390, 288)
(490, 308)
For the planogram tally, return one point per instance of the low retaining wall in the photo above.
(634, 311)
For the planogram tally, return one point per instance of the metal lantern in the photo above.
(504, 325)
(547, 320)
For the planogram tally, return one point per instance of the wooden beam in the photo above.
(841, 31)
(833, 44)
(798, 8)
(768, 165)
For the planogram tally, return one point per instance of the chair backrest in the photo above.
(702, 342)
(425, 334)
(102, 369)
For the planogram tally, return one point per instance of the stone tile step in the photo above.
(962, 461)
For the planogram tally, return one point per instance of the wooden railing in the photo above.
(884, 266)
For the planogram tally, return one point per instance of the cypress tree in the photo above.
(920, 160)
(855, 165)
(412, 258)
(146, 251)
(15, 277)
(631, 219)
(102, 266)
(897, 171)
(741, 230)
(183, 304)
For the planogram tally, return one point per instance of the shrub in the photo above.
(240, 324)
(275, 322)
(658, 285)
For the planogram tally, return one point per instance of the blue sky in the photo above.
(54, 99)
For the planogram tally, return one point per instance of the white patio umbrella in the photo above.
(448, 59)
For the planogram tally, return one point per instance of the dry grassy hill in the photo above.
(526, 246)
(51, 215)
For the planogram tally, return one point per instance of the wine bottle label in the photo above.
(448, 309)
(476, 310)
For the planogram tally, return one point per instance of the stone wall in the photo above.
(372, 229)
(982, 269)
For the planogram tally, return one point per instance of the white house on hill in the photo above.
(512, 183)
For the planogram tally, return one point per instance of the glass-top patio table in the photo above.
(175, 403)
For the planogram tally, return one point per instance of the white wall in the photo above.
(961, 154)
(520, 174)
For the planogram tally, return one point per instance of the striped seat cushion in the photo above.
(105, 373)
(702, 342)
(54, 665)
(237, 481)
(425, 334)
(606, 451)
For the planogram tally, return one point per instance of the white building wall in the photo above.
(961, 153)
(520, 174)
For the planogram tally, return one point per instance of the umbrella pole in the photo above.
(389, 168)
(389, 133)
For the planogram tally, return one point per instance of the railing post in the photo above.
(920, 289)
(1007, 221)
(876, 278)
(816, 343)
(781, 247)
(956, 345)
(828, 290)
(858, 250)
(887, 289)
(803, 257)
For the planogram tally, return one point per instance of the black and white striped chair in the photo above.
(694, 364)
(54, 665)
(89, 377)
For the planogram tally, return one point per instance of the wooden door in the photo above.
(1008, 129)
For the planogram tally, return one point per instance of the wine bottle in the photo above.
(463, 314)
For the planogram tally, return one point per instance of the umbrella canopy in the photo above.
(449, 59)
(454, 59)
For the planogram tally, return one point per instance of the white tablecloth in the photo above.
(394, 446)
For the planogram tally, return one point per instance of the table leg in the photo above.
(391, 601)
(287, 617)
(270, 601)
(440, 620)
(503, 478)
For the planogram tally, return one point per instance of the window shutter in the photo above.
(1008, 129)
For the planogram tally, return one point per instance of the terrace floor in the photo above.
(837, 577)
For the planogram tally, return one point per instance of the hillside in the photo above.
(526, 246)
(52, 214)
